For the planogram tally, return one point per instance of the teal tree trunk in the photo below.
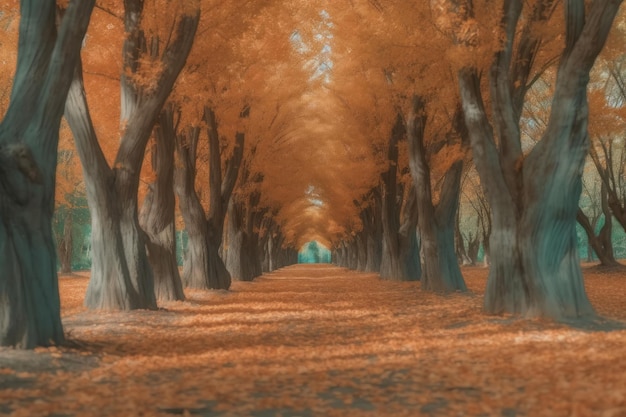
(436, 222)
(535, 268)
(30, 311)
(121, 276)
(157, 216)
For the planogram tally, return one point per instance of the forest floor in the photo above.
(316, 340)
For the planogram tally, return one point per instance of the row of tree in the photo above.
(133, 247)
(478, 100)
(274, 125)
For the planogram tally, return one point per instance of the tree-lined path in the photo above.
(318, 340)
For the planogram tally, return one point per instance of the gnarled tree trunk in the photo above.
(398, 260)
(157, 213)
(195, 265)
(203, 266)
(436, 221)
(534, 200)
(121, 276)
(30, 311)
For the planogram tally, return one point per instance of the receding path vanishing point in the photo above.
(317, 340)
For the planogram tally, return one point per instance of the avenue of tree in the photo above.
(401, 136)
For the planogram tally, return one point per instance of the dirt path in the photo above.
(318, 341)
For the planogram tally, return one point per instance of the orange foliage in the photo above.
(324, 81)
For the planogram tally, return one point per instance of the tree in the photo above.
(475, 201)
(400, 79)
(399, 218)
(533, 196)
(29, 134)
(608, 122)
(221, 94)
(204, 268)
(121, 277)
(242, 252)
(603, 124)
(68, 197)
(601, 243)
(157, 212)
(436, 220)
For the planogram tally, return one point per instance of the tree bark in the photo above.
(436, 222)
(397, 262)
(195, 265)
(65, 242)
(613, 184)
(244, 221)
(121, 277)
(373, 221)
(235, 234)
(602, 243)
(203, 267)
(157, 213)
(30, 312)
(534, 200)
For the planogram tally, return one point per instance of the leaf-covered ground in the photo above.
(322, 341)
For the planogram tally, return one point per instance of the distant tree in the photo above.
(601, 242)
(29, 135)
(314, 250)
(477, 203)
(607, 133)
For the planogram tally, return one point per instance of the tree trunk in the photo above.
(255, 222)
(195, 265)
(65, 243)
(396, 263)
(361, 247)
(157, 214)
(436, 222)
(473, 245)
(219, 277)
(602, 244)
(204, 268)
(459, 242)
(613, 183)
(441, 268)
(267, 265)
(534, 200)
(30, 311)
(248, 253)
(235, 233)
(373, 226)
(121, 277)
